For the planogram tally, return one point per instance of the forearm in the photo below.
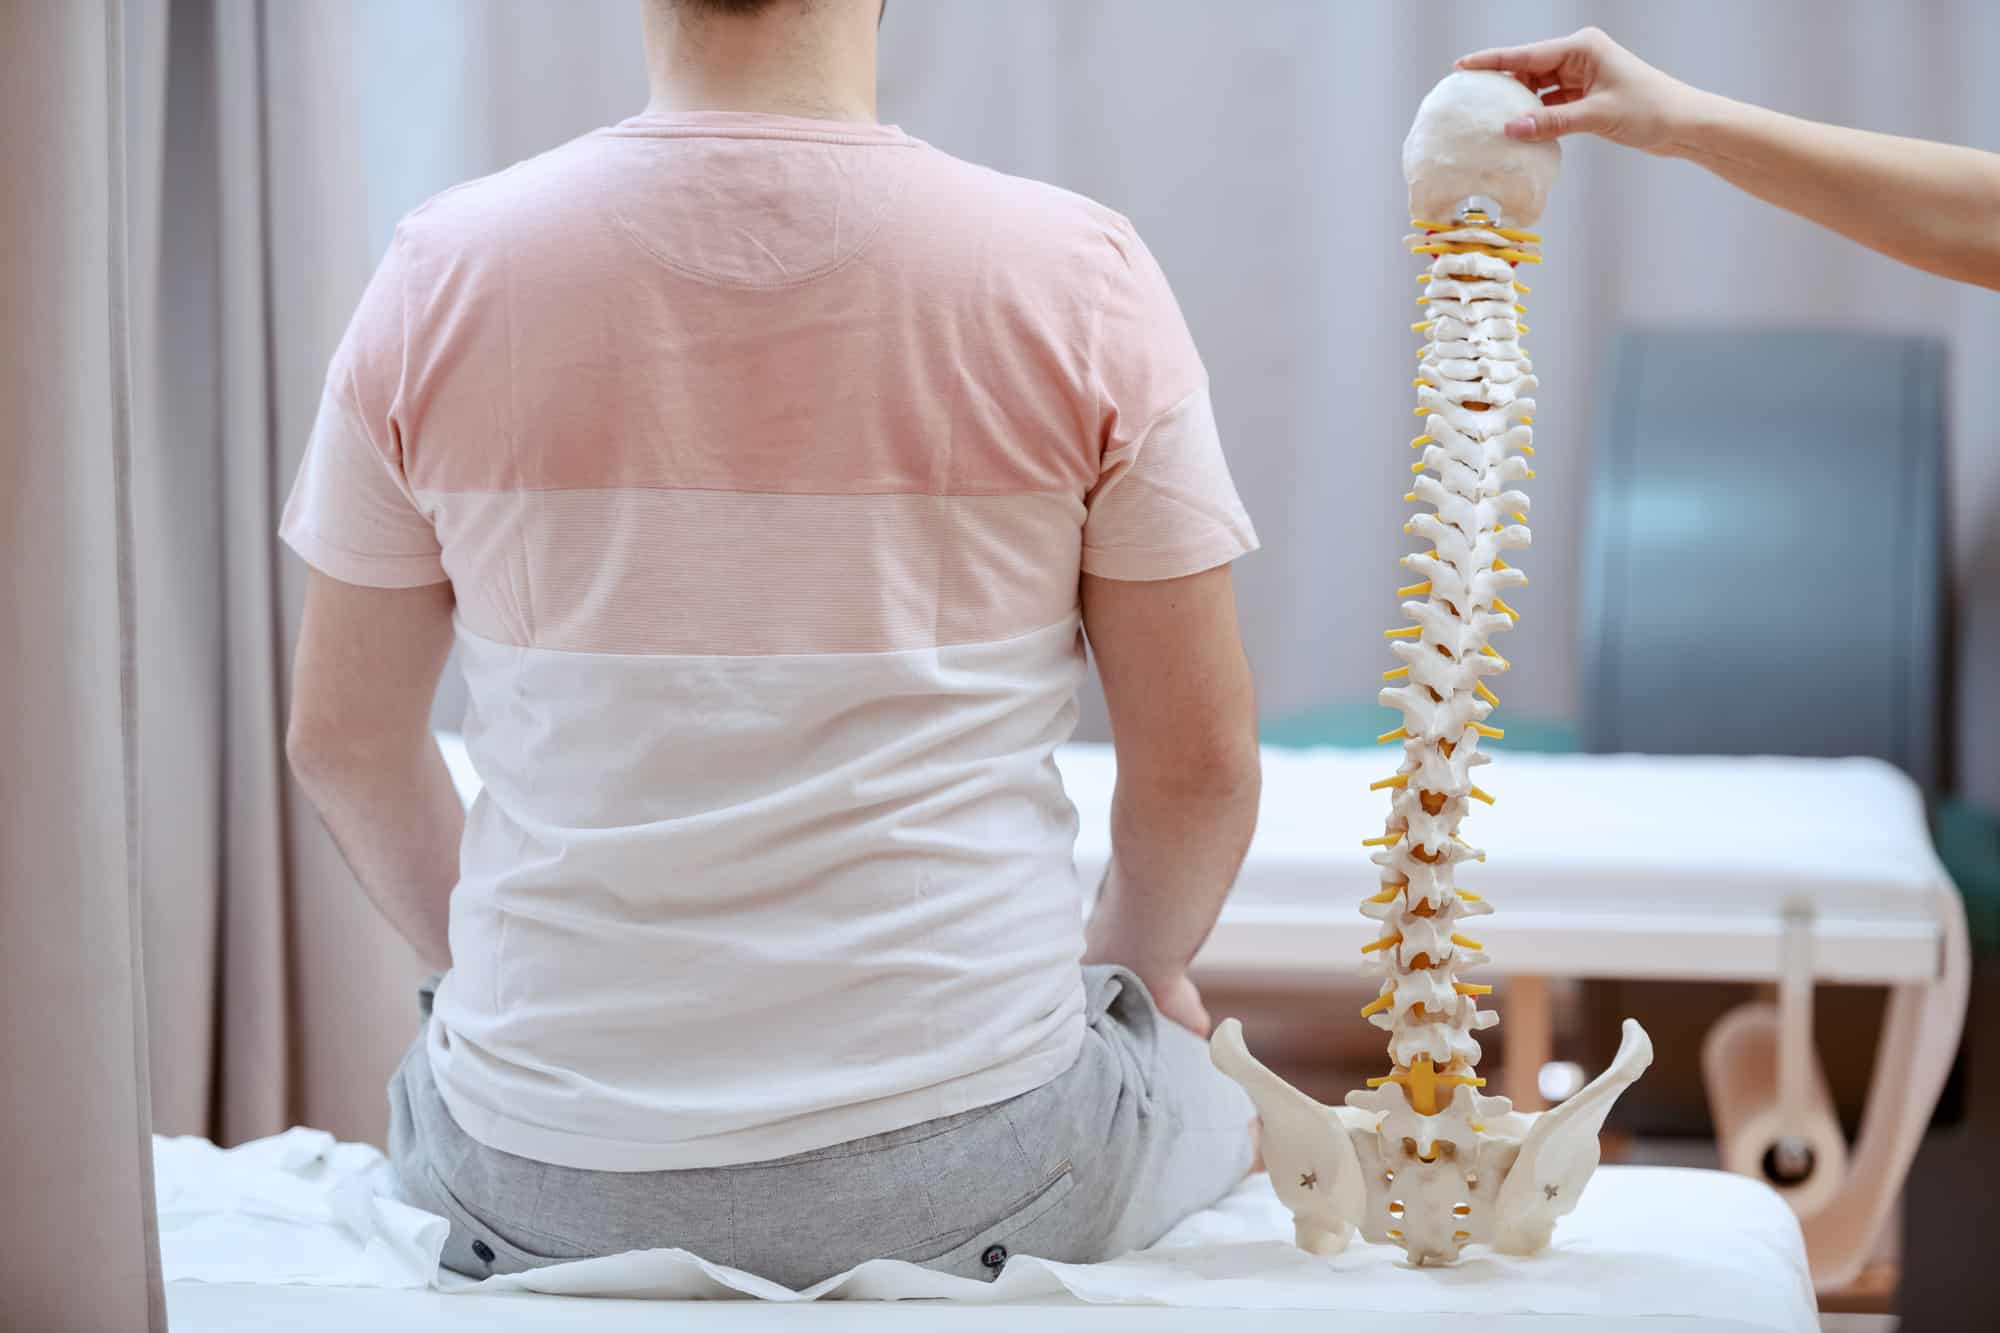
(1176, 848)
(1935, 206)
(397, 821)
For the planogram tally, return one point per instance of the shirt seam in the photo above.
(1157, 563)
(364, 571)
(1221, 537)
(1152, 423)
(1145, 434)
(749, 132)
(318, 537)
(482, 640)
(344, 401)
(924, 494)
(1093, 341)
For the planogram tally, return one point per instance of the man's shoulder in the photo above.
(1047, 211)
(1029, 215)
(541, 207)
(538, 195)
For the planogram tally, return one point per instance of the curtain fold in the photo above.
(76, 1172)
(283, 998)
(352, 979)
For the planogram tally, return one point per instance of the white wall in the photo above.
(1256, 144)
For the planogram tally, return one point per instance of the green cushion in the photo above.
(1968, 842)
(1357, 722)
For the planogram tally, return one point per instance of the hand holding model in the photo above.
(1929, 205)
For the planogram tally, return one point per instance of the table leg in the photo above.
(1527, 1025)
(1913, 1056)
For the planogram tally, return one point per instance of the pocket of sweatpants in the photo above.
(964, 1252)
(470, 1234)
(1123, 1012)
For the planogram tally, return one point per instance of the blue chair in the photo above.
(1763, 567)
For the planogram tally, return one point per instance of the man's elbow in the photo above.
(1240, 776)
(312, 752)
(1220, 767)
(324, 754)
(1235, 765)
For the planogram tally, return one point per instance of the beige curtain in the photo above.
(78, 1242)
(280, 997)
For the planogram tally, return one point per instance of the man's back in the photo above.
(763, 457)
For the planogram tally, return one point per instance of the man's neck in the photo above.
(814, 61)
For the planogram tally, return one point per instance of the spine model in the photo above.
(1474, 387)
(1423, 1160)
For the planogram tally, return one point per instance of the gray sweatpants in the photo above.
(1140, 1132)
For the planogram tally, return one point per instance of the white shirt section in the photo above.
(723, 909)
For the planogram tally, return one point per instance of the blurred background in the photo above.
(1257, 148)
(272, 147)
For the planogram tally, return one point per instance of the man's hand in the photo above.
(1177, 999)
(1591, 85)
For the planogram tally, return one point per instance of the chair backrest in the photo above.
(1763, 566)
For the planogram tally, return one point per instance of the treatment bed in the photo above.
(1639, 866)
(301, 1233)
(1627, 866)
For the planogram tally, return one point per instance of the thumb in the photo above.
(1587, 115)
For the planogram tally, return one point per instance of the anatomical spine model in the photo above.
(1423, 1159)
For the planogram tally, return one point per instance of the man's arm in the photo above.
(1929, 205)
(1184, 722)
(360, 744)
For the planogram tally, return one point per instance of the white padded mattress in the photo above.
(1607, 865)
(1598, 865)
(301, 1233)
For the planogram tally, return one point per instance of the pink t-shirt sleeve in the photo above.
(1164, 505)
(352, 514)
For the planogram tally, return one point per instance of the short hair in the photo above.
(738, 8)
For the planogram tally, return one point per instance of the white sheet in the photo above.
(1695, 1249)
(298, 1207)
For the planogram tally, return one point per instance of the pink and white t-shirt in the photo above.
(762, 456)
